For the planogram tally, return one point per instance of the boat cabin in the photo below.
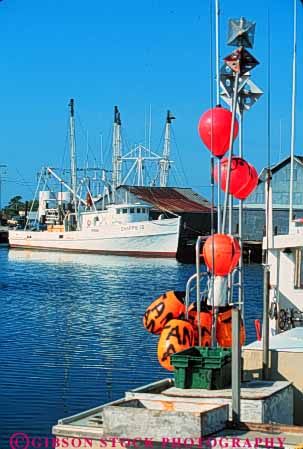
(115, 214)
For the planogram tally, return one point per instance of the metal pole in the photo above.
(150, 127)
(236, 366)
(73, 160)
(219, 208)
(217, 15)
(101, 150)
(198, 250)
(230, 231)
(231, 144)
(212, 280)
(265, 330)
(2, 174)
(217, 12)
(240, 288)
(164, 163)
(230, 214)
(187, 293)
(293, 117)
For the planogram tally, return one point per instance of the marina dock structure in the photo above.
(270, 409)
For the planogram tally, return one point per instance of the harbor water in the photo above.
(71, 333)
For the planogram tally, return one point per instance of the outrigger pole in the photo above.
(293, 116)
(73, 157)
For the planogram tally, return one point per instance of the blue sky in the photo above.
(132, 54)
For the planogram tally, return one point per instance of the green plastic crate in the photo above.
(200, 367)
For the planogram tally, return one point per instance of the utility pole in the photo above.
(2, 173)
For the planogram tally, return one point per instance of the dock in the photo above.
(135, 426)
(271, 410)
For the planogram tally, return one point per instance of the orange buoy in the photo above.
(205, 322)
(224, 328)
(162, 310)
(176, 336)
(224, 250)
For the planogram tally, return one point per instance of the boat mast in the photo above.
(164, 163)
(293, 117)
(117, 154)
(217, 20)
(73, 161)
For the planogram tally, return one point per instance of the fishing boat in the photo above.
(66, 221)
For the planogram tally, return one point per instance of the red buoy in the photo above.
(243, 177)
(251, 185)
(214, 129)
(224, 250)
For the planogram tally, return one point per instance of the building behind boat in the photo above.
(254, 205)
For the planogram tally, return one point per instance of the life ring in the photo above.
(88, 223)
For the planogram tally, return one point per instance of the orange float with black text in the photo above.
(162, 310)
(205, 322)
(176, 336)
(224, 328)
(224, 250)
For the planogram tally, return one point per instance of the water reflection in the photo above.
(88, 259)
(71, 333)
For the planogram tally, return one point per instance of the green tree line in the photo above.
(15, 205)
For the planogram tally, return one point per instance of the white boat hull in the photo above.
(158, 238)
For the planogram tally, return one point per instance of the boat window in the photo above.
(60, 236)
(118, 211)
(143, 210)
(138, 210)
(299, 269)
(124, 211)
(132, 210)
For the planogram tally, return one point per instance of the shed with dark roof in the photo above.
(254, 205)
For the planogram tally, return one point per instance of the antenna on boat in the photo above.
(164, 162)
(217, 13)
(73, 157)
(117, 153)
(293, 117)
(150, 127)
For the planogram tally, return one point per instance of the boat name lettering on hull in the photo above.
(132, 228)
